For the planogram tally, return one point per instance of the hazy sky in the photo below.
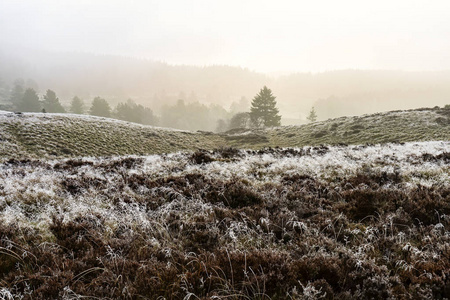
(260, 35)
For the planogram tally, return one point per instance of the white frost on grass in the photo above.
(337, 162)
(31, 194)
(31, 119)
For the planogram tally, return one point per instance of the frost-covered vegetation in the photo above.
(320, 222)
(425, 124)
(63, 135)
(38, 135)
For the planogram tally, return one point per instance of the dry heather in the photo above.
(364, 222)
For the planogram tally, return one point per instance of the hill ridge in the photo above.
(35, 135)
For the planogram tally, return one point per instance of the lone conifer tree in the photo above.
(312, 115)
(100, 108)
(30, 101)
(51, 103)
(263, 112)
(17, 93)
(77, 106)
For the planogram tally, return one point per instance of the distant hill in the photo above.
(35, 135)
(153, 84)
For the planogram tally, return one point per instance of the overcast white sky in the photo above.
(257, 34)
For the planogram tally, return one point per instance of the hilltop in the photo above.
(37, 135)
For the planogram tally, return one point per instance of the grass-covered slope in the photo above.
(342, 222)
(51, 135)
(395, 126)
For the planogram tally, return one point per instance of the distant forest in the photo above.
(214, 93)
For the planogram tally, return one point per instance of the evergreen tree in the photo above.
(5, 103)
(147, 116)
(77, 106)
(100, 108)
(132, 112)
(51, 103)
(312, 115)
(30, 101)
(263, 112)
(17, 93)
(128, 111)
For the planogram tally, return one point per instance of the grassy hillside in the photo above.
(56, 135)
(313, 222)
(50, 135)
(395, 126)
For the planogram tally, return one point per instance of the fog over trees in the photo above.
(100, 108)
(132, 112)
(207, 98)
(51, 103)
(29, 101)
(77, 105)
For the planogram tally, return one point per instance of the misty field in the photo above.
(325, 222)
(225, 150)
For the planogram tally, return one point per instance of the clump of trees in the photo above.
(133, 112)
(263, 112)
(191, 115)
(194, 116)
(28, 101)
(24, 98)
(127, 111)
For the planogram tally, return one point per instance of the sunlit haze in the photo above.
(224, 149)
(267, 36)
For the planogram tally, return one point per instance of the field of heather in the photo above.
(341, 222)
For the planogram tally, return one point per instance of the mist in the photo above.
(346, 58)
(239, 149)
(264, 36)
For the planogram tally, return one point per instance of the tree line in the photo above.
(27, 100)
(262, 112)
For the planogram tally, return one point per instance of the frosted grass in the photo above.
(30, 195)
